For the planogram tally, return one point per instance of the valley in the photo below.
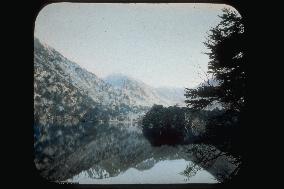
(86, 125)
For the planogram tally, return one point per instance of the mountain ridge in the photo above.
(55, 74)
(167, 96)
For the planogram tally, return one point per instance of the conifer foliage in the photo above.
(225, 43)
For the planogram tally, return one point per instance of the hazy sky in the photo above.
(160, 44)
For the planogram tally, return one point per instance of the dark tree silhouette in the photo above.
(164, 125)
(227, 65)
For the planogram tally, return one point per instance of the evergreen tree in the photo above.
(227, 65)
(164, 125)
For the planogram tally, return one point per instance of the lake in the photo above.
(115, 153)
(120, 154)
(163, 172)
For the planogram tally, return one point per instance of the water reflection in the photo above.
(118, 153)
(162, 172)
(123, 155)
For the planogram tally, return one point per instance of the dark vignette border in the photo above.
(38, 181)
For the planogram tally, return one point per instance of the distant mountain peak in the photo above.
(119, 79)
(113, 90)
(138, 89)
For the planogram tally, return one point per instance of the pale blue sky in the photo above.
(160, 44)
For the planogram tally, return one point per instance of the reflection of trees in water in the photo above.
(190, 170)
(220, 164)
(117, 149)
(143, 159)
(112, 148)
(109, 150)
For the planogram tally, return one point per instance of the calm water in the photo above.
(119, 154)
(163, 172)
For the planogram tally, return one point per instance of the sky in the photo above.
(159, 44)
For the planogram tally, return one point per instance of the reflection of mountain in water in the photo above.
(161, 172)
(113, 147)
(146, 164)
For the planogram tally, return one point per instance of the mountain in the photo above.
(118, 80)
(57, 101)
(138, 92)
(115, 102)
(62, 110)
(143, 94)
(87, 82)
(69, 104)
(117, 93)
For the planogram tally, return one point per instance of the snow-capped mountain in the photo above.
(138, 92)
(68, 102)
(87, 82)
(57, 101)
(75, 92)
(63, 86)
(143, 94)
